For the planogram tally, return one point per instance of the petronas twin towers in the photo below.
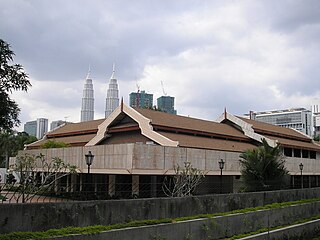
(112, 100)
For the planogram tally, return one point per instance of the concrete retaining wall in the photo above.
(43, 216)
(306, 231)
(215, 228)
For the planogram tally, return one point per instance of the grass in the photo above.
(262, 230)
(99, 228)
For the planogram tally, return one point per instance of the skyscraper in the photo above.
(112, 100)
(87, 108)
(141, 99)
(296, 118)
(55, 124)
(166, 104)
(37, 128)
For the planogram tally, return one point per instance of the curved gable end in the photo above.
(245, 127)
(143, 123)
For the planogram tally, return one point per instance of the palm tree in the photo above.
(263, 168)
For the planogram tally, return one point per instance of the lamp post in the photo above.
(89, 159)
(301, 168)
(221, 166)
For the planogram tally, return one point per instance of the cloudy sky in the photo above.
(243, 55)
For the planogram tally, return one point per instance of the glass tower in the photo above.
(87, 108)
(112, 100)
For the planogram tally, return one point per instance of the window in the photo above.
(305, 153)
(313, 155)
(287, 152)
(297, 153)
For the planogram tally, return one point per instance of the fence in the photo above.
(102, 187)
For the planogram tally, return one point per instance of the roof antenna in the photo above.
(89, 71)
(113, 70)
(164, 92)
(225, 113)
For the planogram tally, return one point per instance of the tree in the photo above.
(12, 78)
(317, 138)
(184, 182)
(54, 144)
(11, 142)
(263, 168)
(38, 175)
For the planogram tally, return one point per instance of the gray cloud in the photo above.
(243, 55)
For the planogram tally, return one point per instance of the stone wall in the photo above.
(220, 227)
(43, 216)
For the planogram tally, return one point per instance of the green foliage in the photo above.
(263, 168)
(11, 142)
(317, 138)
(12, 78)
(54, 144)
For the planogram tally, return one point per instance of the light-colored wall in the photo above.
(153, 159)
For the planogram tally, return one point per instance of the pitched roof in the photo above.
(208, 143)
(79, 140)
(236, 136)
(164, 120)
(285, 142)
(269, 129)
(76, 128)
(76, 134)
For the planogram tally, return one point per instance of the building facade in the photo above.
(299, 119)
(30, 128)
(87, 106)
(141, 99)
(316, 119)
(37, 128)
(166, 104)
(55, 124)
(135, 149)
(112, 100)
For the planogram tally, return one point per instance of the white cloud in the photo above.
(243, 55)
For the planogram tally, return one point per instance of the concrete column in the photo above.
(309, 180)
(56, 184)
(112, 185)
(135, 185)
(95, 184)
(80, 182)
(68, 183)
(292, 181)
(153, 186)
(73, 182)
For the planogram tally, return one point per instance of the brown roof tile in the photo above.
(81, 127)
(266, 128)
(295, 143)
(208, 143)
(191, 124)
(79, 140)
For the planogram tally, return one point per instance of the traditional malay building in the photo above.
(136, 148)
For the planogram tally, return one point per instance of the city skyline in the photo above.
(243, 55)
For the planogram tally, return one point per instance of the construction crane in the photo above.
(164, 92)
(138, 95)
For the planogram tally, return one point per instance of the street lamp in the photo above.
(89, 159)
(221, 166)
(301, 168)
